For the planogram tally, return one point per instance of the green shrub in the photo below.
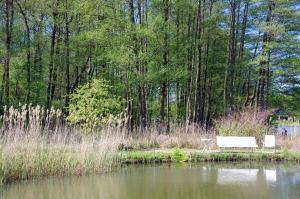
(286, 153)
(93, 105)
(179, 155)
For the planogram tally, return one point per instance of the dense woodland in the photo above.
(167, 61)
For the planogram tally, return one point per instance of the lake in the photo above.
(169, 181)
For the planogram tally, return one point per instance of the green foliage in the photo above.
(179, 155)
(165, 156)
(93, 105)
(286, 153)
(105, 42)
(286, 123)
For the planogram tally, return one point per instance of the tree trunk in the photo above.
(141, 70)
(177, 117)
(164, 85)
(198, 78)
(264, 63)
(205, 67)
(56, 65)
(229, 71)
(51, 63)
(243, 31)
(190, 69)
(67, 48)
(28, 53)
(37, 62)
(9, 14)
(209, 104)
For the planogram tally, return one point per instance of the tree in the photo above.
(93, 105)
(9, 18)
(184, 62)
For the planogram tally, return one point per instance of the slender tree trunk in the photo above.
(37, 62)
(177, 59)
(129, 113)
(141, 70)
(56, 65)
(251, 101)
(17, 87)
(205, 68)
(28, 52)
(241, 77)
(190, 70)
(209, 104)
(67, 51)
(52, 50)
(243, 31)
(164, 85)
(268, 79)
(198, 76)
(264, 68)
(229, 71)
(9, 14)
(128, 95)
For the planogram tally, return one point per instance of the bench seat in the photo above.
(236, 142)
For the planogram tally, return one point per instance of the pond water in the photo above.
(289, 129)
(173, 181)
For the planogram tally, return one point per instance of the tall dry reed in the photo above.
(248, 122)
(34, 142)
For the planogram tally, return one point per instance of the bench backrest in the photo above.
(269, 141)
(236, 142)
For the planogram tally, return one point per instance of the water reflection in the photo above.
(271, 175)
(191, 181)
(295, 179)
(237, 176)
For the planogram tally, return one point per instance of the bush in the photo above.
(93, 105)
(245, 123)
(179, 155)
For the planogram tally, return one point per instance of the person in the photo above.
(284, 132)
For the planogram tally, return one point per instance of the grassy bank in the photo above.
(31, 156)
(48, 148)
(178, 155)
(37, 158)
(31, 160)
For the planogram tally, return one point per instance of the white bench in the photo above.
(269, 142)
(236, 142)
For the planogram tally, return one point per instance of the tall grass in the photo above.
(36, 142)
(178, 137)
(1, 167)
(34, 158)
(291, 142)
(248, 122)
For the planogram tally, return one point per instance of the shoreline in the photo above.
(144, 157)
(147, 157)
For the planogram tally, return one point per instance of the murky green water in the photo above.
(184, 181)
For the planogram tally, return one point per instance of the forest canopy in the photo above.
(167, 60)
